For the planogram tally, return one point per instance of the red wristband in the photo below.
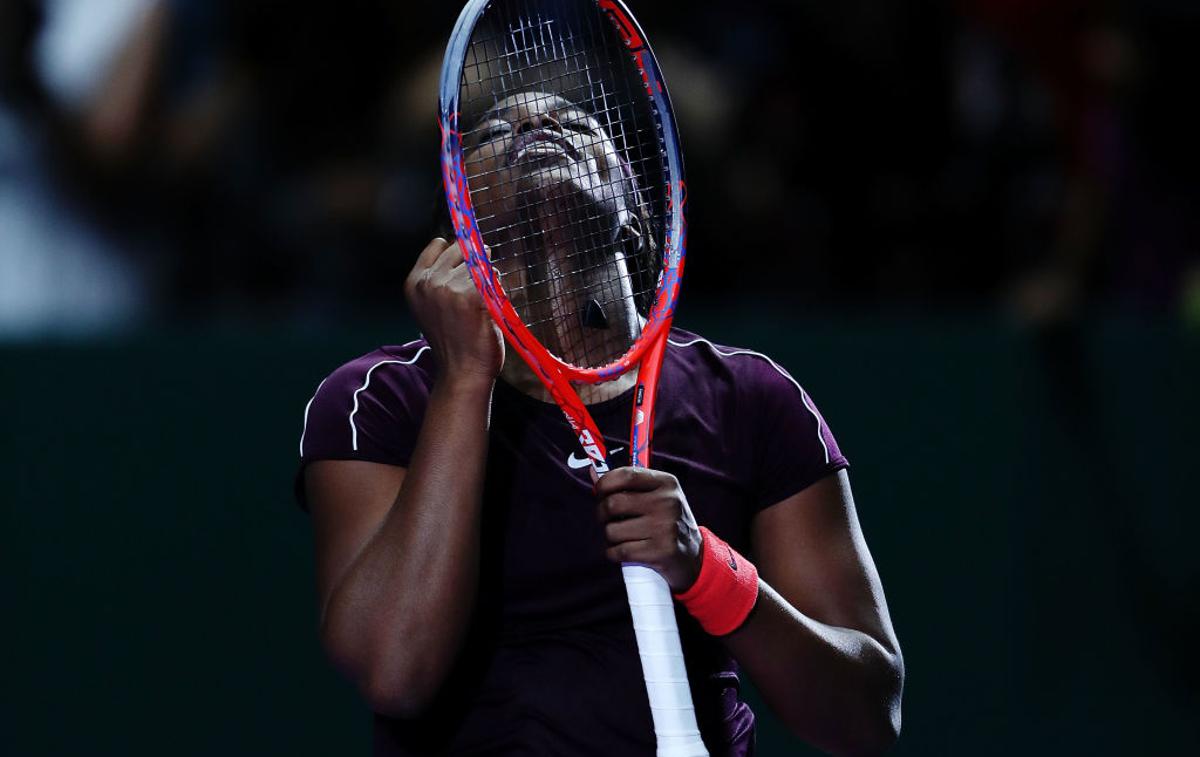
(726, 590)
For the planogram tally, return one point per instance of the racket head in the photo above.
(606, 69)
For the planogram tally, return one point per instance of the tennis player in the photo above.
(468, 555)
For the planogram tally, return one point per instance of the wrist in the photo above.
(692, 570)
(464, 385)
(725, 590)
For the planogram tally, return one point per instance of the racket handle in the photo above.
(658, 644)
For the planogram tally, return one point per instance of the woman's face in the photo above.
(542, 143)
(553, 195)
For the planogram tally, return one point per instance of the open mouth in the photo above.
(539, 146)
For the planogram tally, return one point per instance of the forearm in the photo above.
(398, 616)
(837, 688)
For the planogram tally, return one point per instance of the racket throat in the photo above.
(593, 450)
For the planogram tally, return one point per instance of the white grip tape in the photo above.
(667, 688)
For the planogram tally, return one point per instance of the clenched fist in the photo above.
(647, 520)
(452, 315)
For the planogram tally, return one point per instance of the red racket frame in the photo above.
(647, 352)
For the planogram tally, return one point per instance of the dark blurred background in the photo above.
(970, 229)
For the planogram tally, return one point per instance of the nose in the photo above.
(534, 121)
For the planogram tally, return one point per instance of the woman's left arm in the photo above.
(819, 644)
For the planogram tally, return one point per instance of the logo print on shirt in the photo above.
(583, 462)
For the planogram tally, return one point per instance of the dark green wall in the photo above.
(1029, 500)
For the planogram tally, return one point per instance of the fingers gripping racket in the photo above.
(564, 180)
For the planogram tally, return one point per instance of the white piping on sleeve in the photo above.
(820, 423)
(367, 382)
(306, 407)
(803, 395)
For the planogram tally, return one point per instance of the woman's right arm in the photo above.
(397, 549)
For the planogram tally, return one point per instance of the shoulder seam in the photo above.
(803, 394)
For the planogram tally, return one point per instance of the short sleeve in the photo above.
(368, 409)
(794, 447)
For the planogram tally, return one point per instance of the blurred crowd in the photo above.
(165, 160)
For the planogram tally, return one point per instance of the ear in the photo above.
(631, 237)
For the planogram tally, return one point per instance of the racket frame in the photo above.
(651, 604)
(554, 373)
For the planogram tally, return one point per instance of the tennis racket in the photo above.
(564, 180)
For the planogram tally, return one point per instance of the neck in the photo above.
(517, 375)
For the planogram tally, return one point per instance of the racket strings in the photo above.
(547, 290)
(583, 89)
(641, 165)
(586, 256)
(560, 52)
(571, 271)
(601, 233)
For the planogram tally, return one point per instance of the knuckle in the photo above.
(464, 287)
(610, 534)
(666, 480)
(631, 504)
(613, 504)
(622, 476)
(422, 278)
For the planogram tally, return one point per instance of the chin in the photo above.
(572, 188)
(553, 179)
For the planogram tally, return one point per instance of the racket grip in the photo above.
(658, 644)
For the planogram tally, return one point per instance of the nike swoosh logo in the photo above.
(732, 562)
(577, 462)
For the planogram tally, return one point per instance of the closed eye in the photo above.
(581, 127)
(492, 132)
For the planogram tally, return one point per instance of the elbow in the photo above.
(870, 735)
(867, 723)
(389, 681)
(878, 728)
(867, 736)
(877, 736)
(393, 697)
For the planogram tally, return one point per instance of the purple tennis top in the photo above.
(550, 665)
